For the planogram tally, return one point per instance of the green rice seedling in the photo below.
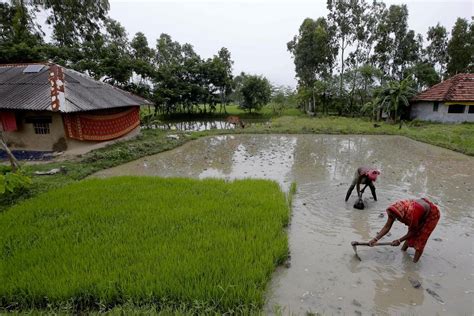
(205, 246)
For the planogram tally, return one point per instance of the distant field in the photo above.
(458, 137)
(174, 244)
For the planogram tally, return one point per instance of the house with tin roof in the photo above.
(450, 101)
(46, 107)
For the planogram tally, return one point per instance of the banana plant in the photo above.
(393, 96)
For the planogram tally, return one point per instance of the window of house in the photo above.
(41, 124)
(435, 106)
(471, 109)
(456, 108)
(41, 128)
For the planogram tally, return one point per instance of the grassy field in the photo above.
(193, 245)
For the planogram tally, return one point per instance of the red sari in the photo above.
(411, 213)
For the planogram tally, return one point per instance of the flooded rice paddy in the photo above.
(324, 275)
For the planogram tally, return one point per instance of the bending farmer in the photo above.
(421, 217)
(363, 175)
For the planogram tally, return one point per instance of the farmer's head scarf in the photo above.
(372, 174)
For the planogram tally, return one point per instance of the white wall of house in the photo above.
(26, 137)
(425, 111)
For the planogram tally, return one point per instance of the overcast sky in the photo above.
(255, 31)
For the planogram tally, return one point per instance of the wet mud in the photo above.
(324, 275)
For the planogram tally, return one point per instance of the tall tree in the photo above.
(106, 56)
(116, 62)
(237, 83)
(437, 48)
(196, 81)
(256, 92)
(218, 76)
(225, 83)
(343, 17)
(460, 48)
(314, 53)
(20, 37)
(142, 62)
(169, 78)
(140, 48)
(75, 21)
(365, 20)
(394, 41)
(424, 75)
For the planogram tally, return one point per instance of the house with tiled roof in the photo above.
(450, 101)
(45, 107)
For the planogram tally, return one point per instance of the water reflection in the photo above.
(193, 126)
(271, 160)
(201, 125)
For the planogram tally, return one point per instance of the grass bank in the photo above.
(191, 245)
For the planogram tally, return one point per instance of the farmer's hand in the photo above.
(372, 242)
(396, 243)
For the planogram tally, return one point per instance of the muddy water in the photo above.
(202, 125)
(195, 126)
(324, 275)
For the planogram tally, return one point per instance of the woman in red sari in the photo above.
(421, 217)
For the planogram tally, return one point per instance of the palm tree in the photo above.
(393, 96)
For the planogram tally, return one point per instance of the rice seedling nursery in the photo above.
(194, 245)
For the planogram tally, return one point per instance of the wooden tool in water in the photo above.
(357, 243)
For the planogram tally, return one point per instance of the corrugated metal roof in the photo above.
(31, 91)
(458, 88)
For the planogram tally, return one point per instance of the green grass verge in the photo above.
(194, 245)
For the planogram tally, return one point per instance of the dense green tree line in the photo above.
(347, 61)
(85, 38)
